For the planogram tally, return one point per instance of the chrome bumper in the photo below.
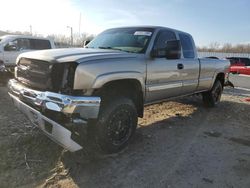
(85, 107)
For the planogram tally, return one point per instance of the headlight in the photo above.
(63, 75)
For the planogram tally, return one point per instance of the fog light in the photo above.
(53, 106)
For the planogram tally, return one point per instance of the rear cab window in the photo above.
(187, 45)
(245, 61)
(39, 44)
(239, 61)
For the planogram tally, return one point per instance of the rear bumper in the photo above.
(78, 109)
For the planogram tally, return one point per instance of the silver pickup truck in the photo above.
(105, 86)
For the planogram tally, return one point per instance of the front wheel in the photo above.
(116, 124)
(212, 98)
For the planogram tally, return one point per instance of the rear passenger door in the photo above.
(190, 72)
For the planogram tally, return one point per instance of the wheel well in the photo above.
(221, 78)
(130, 88)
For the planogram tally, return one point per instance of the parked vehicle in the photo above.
(13, 45)
(109, 82)
(239, 65)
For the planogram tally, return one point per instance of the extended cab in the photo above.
(109, 82)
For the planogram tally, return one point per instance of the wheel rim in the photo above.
(120, 127)
(217, 93)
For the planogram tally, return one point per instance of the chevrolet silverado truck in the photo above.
(106, 85)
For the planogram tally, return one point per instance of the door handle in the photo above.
(180, 66)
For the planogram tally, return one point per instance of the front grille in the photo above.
(46, 76)
(34, 73)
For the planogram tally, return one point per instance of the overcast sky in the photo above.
(220, 21)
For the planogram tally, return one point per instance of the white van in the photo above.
(13, 45)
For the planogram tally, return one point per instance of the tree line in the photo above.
(225, 48)
(65, 41)
(61, 41)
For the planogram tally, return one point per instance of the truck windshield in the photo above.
(134, 40)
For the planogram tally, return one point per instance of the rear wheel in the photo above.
(116, 124)
(212, 98)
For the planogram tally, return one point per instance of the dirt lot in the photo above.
(177, 144)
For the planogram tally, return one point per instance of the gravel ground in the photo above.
(177, 144)
(240, 80)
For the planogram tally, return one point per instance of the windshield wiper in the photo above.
(108, 47)
(113, 48)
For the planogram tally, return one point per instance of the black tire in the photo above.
(116, 124)
(212, 98)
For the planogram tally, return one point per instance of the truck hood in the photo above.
(75, 55)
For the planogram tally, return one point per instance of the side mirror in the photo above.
(85, 43)
(10, 47)
(173, 49)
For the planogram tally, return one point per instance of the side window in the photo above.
(187, 46)
(161, 42)
(11, 46)
(18, 45)
(39, 44)
(245, 61)
(248, 62)
(23, 44)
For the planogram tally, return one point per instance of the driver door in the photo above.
(163, 75)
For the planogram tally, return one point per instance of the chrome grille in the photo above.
(34, 73)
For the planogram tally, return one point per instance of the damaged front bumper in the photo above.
(33, 103)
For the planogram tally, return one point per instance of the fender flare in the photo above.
(103, 79)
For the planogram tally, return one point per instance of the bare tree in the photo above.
(227, 48)
(61, 41)
(214, 45)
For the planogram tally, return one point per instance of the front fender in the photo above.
(94, 75)
(114, 76)
(222, 67)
